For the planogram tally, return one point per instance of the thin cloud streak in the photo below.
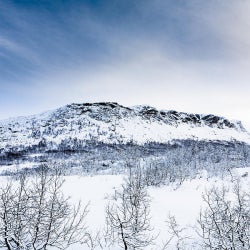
(191, 56)
(152, 79)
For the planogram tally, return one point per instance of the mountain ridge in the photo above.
(143, 109)
(112, 123)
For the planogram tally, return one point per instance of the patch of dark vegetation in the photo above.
(93, 156)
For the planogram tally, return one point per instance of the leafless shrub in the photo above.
(178, 236)
(34, 214)
(225, 222)
(127, 216)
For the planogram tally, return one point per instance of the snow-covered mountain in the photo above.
(111, 123)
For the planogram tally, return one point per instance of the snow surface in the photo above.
(183, 202)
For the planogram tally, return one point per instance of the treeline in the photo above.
(188, 156)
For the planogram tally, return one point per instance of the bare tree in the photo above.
(13, 215)
(177, 234)
(127, 217)
(34, 214)
(225, 222)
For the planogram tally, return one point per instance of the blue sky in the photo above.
(190, 56)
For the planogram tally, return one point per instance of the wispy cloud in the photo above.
(186, 55)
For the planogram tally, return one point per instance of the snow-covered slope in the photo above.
(112, 123)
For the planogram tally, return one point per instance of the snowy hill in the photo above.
(91, 135)
(112, 123)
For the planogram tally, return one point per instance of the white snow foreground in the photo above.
(183, 202)
(112, 123)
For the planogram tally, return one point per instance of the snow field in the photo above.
(184, 202)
